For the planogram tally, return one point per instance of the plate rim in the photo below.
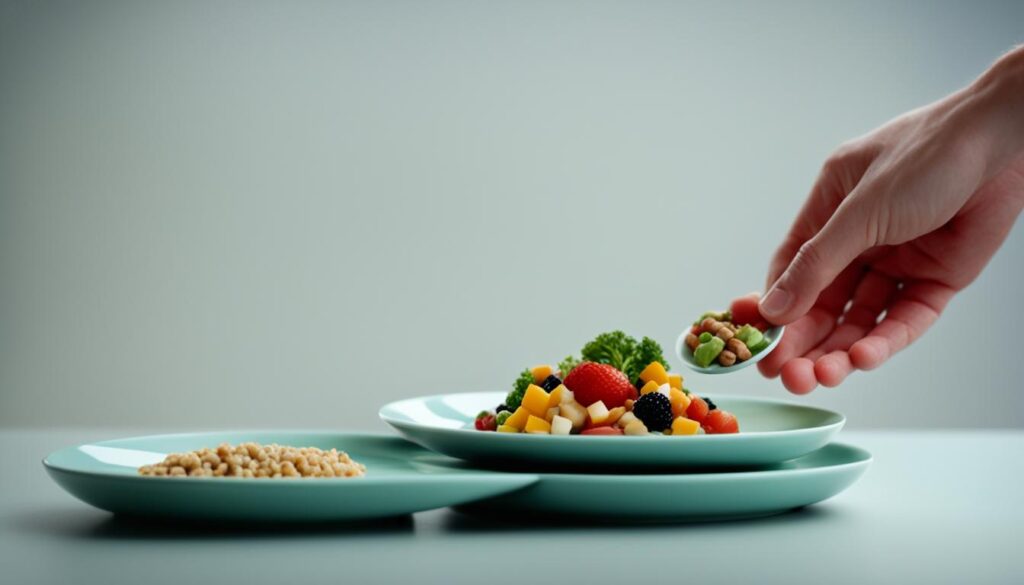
(706, 475)
(836, 424)
(468, 473)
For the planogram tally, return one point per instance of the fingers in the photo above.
(870, 298)
(831, 362)
(913, 311)
(807, 332)
(744, 309)
(816, 264)
(831, 369)
(798, 376)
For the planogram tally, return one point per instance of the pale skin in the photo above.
(897, 223)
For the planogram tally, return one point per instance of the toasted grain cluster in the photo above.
(257, 461)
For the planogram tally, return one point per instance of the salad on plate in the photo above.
(617, 386)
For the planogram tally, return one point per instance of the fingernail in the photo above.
(776, 302)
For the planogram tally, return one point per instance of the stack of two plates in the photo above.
(781, 460)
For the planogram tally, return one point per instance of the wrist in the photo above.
(996, 103)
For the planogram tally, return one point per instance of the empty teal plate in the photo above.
(771, 431)
(683, 497)
(401, 478)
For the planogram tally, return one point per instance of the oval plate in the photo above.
(770, 431)
(684, 353)
(401, 478)
(684, 497)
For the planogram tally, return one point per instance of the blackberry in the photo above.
(655, 410)
(550, 383)
(502, 407)
(711, 405)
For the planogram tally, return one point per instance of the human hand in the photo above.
(896, 224)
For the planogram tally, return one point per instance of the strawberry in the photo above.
(591, 382)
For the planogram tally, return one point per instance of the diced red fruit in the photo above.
(762, 326)
(591, 382)
(602, 431)
(698, 409)
(720, 422)
(744, 310)
(695, 329)
(486, 423)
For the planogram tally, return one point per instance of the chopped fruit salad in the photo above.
(727, 337)
(618, 386)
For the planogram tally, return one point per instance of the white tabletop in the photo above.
(935, 507)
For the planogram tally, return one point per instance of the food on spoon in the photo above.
(252, 460)
(598, 394)
(727, 337)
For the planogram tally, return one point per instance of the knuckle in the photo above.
(809, 257)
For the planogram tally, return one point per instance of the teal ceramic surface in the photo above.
(685, 497)
(401, 478)
(684, 353)
(770, 431)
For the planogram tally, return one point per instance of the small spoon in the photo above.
(684, 353)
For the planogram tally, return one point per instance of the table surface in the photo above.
(935, 507)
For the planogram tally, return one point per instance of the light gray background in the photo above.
(230, 214)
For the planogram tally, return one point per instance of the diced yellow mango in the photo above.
(614, 415)
(540, 373)
(649, 387)
(684, 426)
(518, 418)
(555, 398)
(680, 402)
(506, 428)
(654, 371)
(536, 400)
(537, 425)
(675, 381)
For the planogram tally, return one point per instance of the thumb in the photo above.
(816, 264)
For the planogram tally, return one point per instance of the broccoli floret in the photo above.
(515, 397)
(624, 353)
(615, 349)
(565, 366)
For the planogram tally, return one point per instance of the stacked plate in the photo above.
(781, 460)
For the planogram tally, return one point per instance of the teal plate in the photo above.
(401, 478)
(771, 431)
(683, 497)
